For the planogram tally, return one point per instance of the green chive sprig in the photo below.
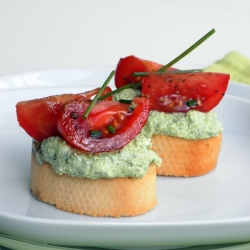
(187, 51)
(160, 71)
(168, 72)
(131, 85)
(91, 105)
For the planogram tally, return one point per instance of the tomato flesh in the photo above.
(130, 64)
(38, 117)
(183, 92)
(127, 124)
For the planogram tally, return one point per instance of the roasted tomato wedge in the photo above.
(109, 126)
(130, 64)
(183, 92)
(38, 117)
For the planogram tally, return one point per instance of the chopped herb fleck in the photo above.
(111, 129)
(125, 101)
(191, 103)
(95, 133)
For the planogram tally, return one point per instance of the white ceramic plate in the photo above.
(210, 209)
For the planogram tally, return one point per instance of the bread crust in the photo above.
(181, 157)
(101, 197)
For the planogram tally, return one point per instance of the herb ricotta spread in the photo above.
(134, 158)
(127, 94)
(131, 161)
(193, 125)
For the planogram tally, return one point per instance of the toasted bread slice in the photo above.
(101, 197)
(181, 157)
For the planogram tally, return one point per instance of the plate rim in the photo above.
(137, 224)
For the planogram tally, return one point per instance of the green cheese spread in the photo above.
(131, 161)
(192, 125)
(134, 158)
(127, 94)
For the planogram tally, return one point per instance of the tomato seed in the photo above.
(168, 79)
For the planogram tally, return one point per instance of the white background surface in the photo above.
(46, 34)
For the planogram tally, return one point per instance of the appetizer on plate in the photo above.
(87, 156)
(98, 152)
(185, 131)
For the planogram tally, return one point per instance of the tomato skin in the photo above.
(170, 92)
(76, 131)
(130, 64)
(38, 117)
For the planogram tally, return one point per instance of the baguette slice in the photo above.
(101, 197)
(181, 157)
